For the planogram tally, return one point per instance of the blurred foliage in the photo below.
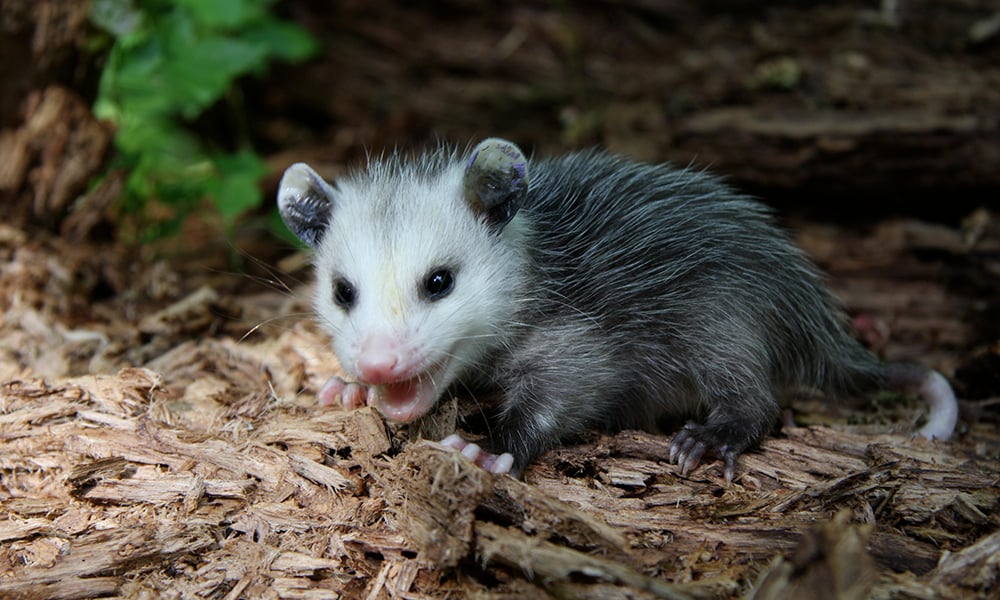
(168, 63)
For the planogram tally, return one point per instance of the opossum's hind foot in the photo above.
(494, 463)
(349, 394)
(695, 441)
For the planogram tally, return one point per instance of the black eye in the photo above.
(343, 293)
(439, 284)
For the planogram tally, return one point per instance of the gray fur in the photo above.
(661, 291)
(639, 291)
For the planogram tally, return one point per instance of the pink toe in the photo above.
(454, 441)
(330, 391)
(487, 461)
(472, 452)
(502, 464)
(337, 391)
(354, 396)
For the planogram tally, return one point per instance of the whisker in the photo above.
(273, 319)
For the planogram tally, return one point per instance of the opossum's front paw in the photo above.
(350, 394)
(493, 463)
(694, 441)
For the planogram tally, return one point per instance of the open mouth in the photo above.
(409, 399)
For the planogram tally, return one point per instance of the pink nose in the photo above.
(379, 368)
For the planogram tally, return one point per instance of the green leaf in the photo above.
(170, 61)
(160, 141)
(226, 14)
(140, 87)
(236, 188)
(202, 74)
(284, 40)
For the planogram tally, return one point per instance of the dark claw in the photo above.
(692, 458)
(675, 446)
(681, 442)
(685, 449)
(694, 442)
(729, 459)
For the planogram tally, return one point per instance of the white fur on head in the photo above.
(391, 226)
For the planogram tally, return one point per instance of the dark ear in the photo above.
(304, 201)
(496, 180)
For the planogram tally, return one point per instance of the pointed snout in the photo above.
(383, 360)
(379, 369)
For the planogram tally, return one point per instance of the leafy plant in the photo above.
(169, 62)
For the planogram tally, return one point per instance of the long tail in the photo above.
(934, 389)
(850, 368)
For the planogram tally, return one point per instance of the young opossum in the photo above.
(589, 290)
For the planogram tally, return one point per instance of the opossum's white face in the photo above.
(413, 285)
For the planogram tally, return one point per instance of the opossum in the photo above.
(588, 290)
